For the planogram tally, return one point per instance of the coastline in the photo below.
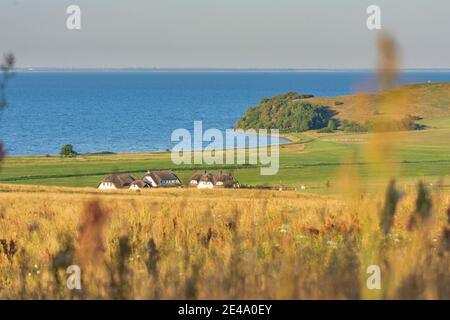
(286, 136)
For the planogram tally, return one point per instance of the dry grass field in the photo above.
(222, 244)
(426, 100)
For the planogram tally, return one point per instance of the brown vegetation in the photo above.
(220, 244)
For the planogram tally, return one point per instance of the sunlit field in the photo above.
(192, 244)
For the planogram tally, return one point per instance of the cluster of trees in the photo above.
(405, 124)
(288, 113)
(354, 126)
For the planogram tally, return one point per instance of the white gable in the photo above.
(150, 181)
(107, 186)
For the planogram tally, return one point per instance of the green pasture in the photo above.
(314, 163)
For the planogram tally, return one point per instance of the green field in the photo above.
(315, 161)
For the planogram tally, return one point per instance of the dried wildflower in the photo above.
(424, 205)
(387, 61)
(91, 247)
(34, 226)
(6, 69)
(9, 248)
(445, 240)
(390, 206)
(284, 228)
(153, 258)
(206, 239)
(313, 231)
(120, 273)
(64, 257)
(448, 215)
(124, 251)
(231, 225)
(332, 244)
(423, 202)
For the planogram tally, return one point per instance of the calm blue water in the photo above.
(137, 111)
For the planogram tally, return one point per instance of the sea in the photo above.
(137, 110)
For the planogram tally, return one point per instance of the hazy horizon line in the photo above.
(165, 69)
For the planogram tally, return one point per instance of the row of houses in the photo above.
(167, 178)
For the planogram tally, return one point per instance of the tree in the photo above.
(67, 151)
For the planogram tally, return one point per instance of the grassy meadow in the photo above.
(313, 160)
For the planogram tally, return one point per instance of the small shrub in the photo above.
(353, 126)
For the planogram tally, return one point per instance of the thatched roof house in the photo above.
(213, 180)
(117, 181)
(164, 178)
(139, 184)
(195, 179)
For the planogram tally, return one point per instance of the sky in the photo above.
(322, 34)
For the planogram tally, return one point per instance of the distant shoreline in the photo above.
(206, 70)
(280, 136)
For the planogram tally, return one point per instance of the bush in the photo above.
(404, 124)
(382, 125)
(67, 151)
(353, 126)
(331, 125)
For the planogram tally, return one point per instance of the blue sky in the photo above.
(222, 33)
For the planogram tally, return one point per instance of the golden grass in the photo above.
(221, 244)
(427, 100)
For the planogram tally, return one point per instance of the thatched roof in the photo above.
(139, 183)
(225, 180)
(158, 176)
(197, 176)
(120, 180)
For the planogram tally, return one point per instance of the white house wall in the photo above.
(106, 186)
(205, 185)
